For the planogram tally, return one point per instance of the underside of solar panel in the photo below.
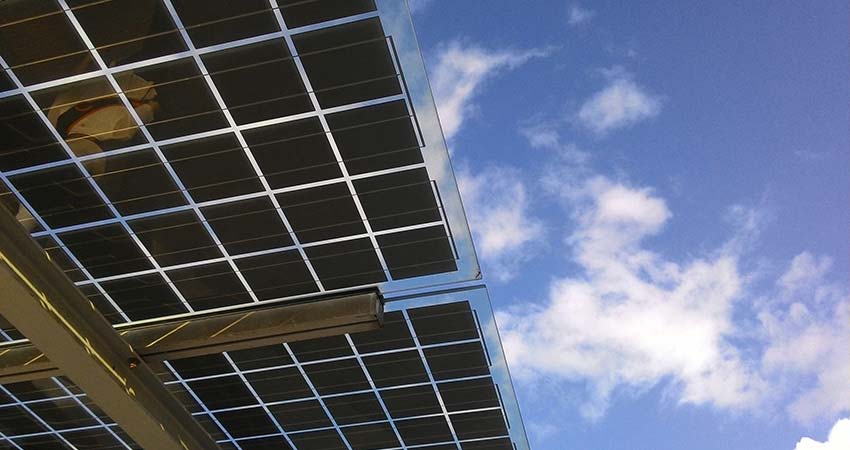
(185, 159)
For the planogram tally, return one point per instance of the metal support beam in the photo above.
(204, 334)
(40, 301)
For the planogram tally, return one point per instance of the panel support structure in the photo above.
(40, 301)
(205, 334)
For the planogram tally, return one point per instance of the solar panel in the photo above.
(432, 377)
(178, 156)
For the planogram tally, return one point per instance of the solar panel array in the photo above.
(175, 156)
(424, 380)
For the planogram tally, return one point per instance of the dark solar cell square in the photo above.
(321, 348)
(336, 377)
(258, 81)
(265, 443)
(469, 394)
(398, 199)
(60, 258)
(414, 253)
(6, 83)
(212, 168)
(135, 182)
(275, 275)
(424, 431)
(125, 31)
(42, 442)
(393, 335)
(175, 238)
(489, 444)
(279, 384)
(457, 361)
(26, 139)
(35, 390)
(356, 408)
(292, 153)
(15, 420)
(394, 369)
(62, 414)
(62, 196)
(106, 250)
(411, 401)
(97, 438)
(300, 415)
(347, 263)
(248, 225)
(211, 22)
(333, 59)
(247, 422)
(222, 392)
(479, 424)
(375, 137)
(144, 297)
(90, 116)
(298, 13)
(186, 105)
(443, 323)
(371, 437)
(323, 212)
(209, 286)
(318, 440)
(259, 357)
(201, 366)
(53, 48)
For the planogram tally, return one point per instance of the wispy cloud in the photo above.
(620, 104)
(578, 15)
(630, 318)
(459, 73)
(839, 439)
(499, 210)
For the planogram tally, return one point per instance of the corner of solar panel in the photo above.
(175, 157)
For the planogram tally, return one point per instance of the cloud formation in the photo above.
(459, 73)
(620, 104)
(839, 439)
(629, 318)
(578, 15)
(632, 318)
(498, 208)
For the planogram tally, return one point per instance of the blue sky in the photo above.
(658, 193)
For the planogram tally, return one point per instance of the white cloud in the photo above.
(632, 318)
(459, 73)
(498, 208)
(839, 439)
(620, 104)
(579, 15)
(628, 318)
(807, 327)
